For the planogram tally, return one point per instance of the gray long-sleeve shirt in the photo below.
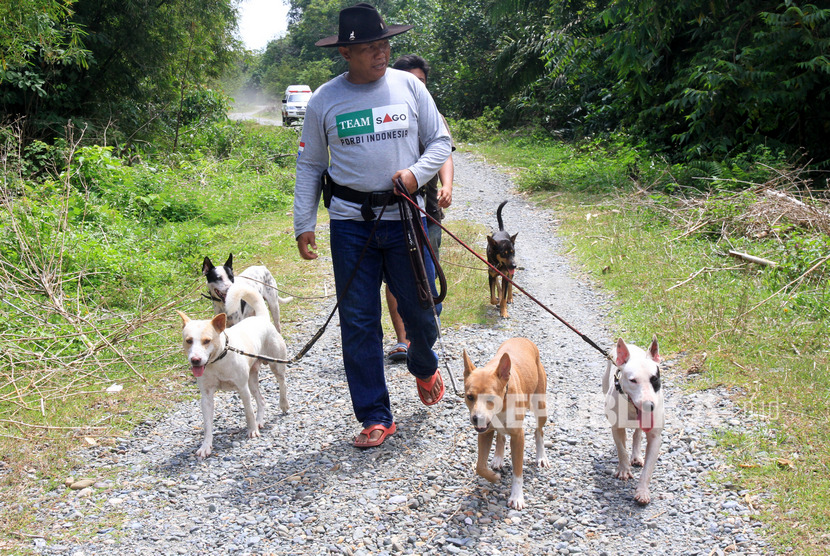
(364, 134)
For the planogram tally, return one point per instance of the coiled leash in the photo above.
(585, 338)
(416, 239)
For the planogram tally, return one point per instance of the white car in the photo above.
(294, 103)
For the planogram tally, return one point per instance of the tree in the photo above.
(140, 58)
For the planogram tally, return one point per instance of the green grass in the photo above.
(699, 301)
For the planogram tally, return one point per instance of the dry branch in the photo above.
(752, 258)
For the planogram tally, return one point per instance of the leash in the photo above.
(416, 239)
(208, 296)
(584, 337)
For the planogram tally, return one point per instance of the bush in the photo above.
(481, 129)
(204, 105)
(592, 166)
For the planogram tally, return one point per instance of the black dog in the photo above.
(500, 254)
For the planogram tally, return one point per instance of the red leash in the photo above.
(585, 338)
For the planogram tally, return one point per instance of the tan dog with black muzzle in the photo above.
(501, 253)
(498, 396)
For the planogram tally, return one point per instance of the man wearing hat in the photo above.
(362, 131)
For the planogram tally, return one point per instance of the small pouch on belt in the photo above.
(366, 210)
(326, 182)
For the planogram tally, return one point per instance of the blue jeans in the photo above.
(360, 311)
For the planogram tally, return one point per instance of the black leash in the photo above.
(416, 239)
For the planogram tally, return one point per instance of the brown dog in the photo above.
(500, 253)
(498, 395)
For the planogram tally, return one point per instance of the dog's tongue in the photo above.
(197, 371)
(646, 420)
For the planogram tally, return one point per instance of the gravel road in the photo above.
(302, 488)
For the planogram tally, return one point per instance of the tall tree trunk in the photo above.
(182, 89)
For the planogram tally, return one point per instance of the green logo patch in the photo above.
(355, 123)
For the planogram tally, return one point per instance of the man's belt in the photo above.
(366, 199)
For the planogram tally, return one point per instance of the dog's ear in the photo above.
(622, 353)
(229, 262)
(219, 322)
(207, 266)
(185, 318)
(468, 365)
(503, 369)
(491, 242)
(654, 350)
(513, 238)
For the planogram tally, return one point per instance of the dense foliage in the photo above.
(693, 79)
(698, 79)
(127, 229)
(116, 66)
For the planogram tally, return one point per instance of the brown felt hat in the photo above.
(361, 23)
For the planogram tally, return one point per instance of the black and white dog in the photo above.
(220, 280)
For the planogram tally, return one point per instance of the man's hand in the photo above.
(306, 245)
(445, 195)
(408, 179)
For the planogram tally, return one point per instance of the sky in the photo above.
(261, 21)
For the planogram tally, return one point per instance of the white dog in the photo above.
(634, 400)
(207, 344)
(221, 282)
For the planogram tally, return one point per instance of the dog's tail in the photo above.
(240, 293)
(498, 215)
(271, 284)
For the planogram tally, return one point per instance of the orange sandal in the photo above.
(425, 386)
(387, 431)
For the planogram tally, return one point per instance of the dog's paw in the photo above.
(497, 463)
(516, 501)
(637, 461)
(642, 496)
(543, 462)
(490, 475)
(254, 433)
(623, 473)
(517, 497)
(203, 452)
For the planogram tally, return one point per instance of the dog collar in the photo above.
(206, 296)
(224, 351)
(617, 381)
